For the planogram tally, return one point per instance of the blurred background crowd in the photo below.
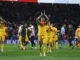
(16, 13)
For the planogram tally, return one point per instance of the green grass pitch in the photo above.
(12, 52)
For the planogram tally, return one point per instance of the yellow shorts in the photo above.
(20, 38)
(55, 38)
(42, 39)
(2, 38)
(78, 37)
(50, 39)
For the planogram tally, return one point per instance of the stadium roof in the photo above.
(48, 1)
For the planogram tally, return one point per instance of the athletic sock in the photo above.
(53, 46)
(56, 44)
(50, 49)
(44, 50)
(47, 48)
(79, 44)
(2, 45)
(21, 46)
(40, 49)
(61, 44)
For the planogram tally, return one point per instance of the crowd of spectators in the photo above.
(15, 13)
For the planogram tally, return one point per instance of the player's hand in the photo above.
(41, 14)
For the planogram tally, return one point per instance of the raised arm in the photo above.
(2, 20)
(47, 19)
(37, 19)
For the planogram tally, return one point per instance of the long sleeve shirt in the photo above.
(63, 31)
(71, 32)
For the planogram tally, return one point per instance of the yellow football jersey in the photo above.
(49, 34)
(50, 31)
(26, 39)
(42, 30)
(78, 32)
(42, 33)
(54, 33)
(2, 30)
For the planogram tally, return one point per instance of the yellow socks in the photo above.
(56, 44)
(21, 46)
(2, 44)
(44, 51)
(40, 51)
(48, 49)
(79, 44)
(53, 46)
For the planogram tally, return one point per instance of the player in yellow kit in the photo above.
(78, 35)
(24, 35)
(50, 37)
(55, 37)
(42, 32)
(2, 33)
(19, 35)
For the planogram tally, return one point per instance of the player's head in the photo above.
(42, 19)
(70, 25)
(30, 24)
(25, 25)
(64, 25)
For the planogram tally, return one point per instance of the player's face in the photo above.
(70, 26)
(30, 24)
(64, 25)
(25, 25)
(42, 19)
